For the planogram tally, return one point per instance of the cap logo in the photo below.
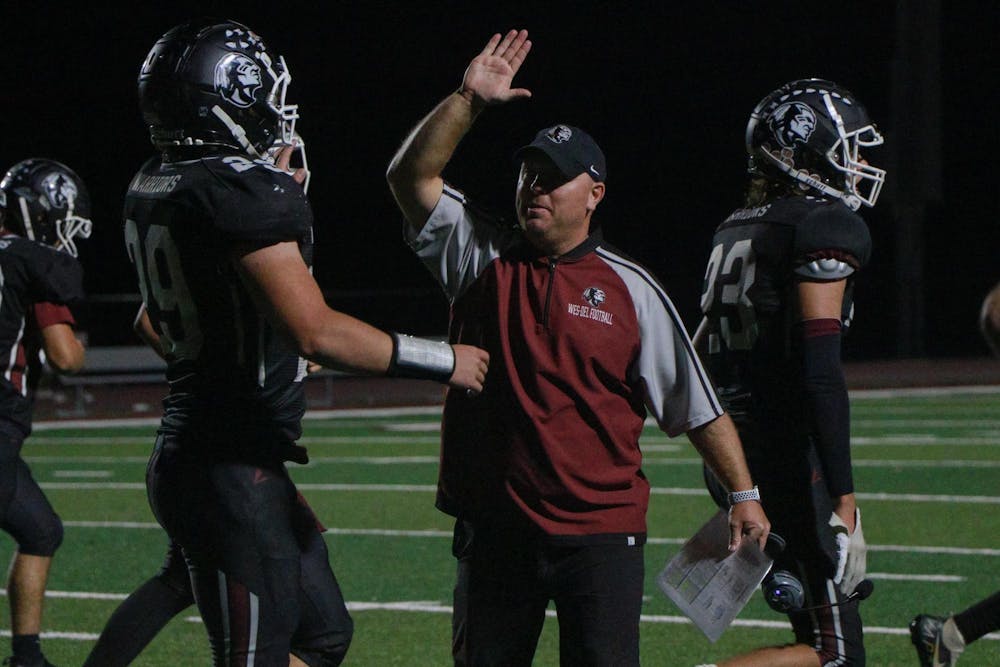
(594, 296)
(59, 190)
(237, 79)
(559, 134)
(791, 123)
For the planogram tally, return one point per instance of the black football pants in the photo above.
(259, 567)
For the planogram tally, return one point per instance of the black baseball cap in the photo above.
(571, 149)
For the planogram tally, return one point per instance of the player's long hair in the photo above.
(761, 190)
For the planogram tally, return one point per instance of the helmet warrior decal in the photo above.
(237, 78)
(811, 131)
(59, 190)
(792, 122)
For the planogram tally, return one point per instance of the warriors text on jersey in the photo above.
(235, 386)
(36, 284)
(580, 347)
(759, 256)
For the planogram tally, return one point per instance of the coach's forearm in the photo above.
(720, 447)
(414, 174)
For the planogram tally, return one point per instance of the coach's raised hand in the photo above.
(488, 77)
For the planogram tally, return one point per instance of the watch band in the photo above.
(743, 496)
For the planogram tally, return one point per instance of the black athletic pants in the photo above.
(507, 574)
(259, 567)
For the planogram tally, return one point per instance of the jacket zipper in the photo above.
(548, 293)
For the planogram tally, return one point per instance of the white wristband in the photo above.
(743, 496)
(421, 358)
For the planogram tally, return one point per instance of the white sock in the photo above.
(952, 637)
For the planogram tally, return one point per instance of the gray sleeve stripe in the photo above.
(614, 258)
(457, 195)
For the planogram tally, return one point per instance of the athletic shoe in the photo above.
(925, 633)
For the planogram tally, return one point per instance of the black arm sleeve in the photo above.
(826, 395)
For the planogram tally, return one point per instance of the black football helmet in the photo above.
(811, 131)
(213, 82)
(45, 201)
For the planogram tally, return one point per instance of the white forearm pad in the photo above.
(421, 358)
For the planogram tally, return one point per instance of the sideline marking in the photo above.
(435, 410)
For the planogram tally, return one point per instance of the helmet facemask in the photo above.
(845, 157)
(69, 227)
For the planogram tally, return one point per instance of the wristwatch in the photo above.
(743, 496)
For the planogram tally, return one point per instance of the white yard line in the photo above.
(90, 474)
(418, 606)
(432, 607)
(922, 440)
(647, 462)
(433, 533)
(431, 488)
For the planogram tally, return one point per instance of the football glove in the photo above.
(852, 553)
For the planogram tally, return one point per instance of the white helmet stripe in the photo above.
(29, 231)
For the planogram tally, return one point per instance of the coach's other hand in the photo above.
(748, 520)
(471, 365)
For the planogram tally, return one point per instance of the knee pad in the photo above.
(327, 657)
(44, 539)
(327, 651)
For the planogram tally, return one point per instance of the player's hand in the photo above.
(747, 520)
(283, 160)
(852, 552)
(471, 365)
(488, 77)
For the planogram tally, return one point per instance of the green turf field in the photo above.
(927, 471)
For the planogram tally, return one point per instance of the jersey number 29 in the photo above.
(164, 289)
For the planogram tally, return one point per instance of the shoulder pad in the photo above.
(827, 269)
(829, 230)
(250, 199)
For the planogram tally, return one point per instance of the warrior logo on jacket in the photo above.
(594, 296)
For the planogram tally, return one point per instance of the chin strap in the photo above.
(239, 134)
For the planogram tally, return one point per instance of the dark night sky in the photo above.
(665, 88)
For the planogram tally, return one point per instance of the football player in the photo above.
(941, 640)
(220, 236)
(44, 206)
(777, 299)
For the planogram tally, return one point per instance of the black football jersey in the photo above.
(750, 298)
(30, 273)
(235, 386)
